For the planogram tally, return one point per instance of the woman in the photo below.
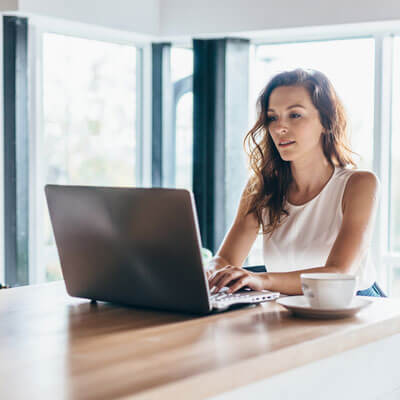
(316, 214)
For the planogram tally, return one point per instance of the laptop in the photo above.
(135, 246)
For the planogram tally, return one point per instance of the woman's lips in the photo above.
(286, 144)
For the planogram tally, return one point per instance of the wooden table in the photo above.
(57, 347)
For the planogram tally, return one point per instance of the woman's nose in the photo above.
(281, 129)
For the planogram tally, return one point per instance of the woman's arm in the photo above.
(360, 202)
(238, 240)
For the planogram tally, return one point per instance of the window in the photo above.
(353, 81)
(395, 156)
(184, 142)
(394, 212)
(88, 132)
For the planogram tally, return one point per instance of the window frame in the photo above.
(2, 188)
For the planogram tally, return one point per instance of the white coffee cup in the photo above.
(328, 291)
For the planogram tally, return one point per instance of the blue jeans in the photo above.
(373, 291)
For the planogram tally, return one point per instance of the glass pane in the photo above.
(89, 119)
(353, 81)
(181, 68)
(395, 281)
(395, 156)
(181, 63)
(184, 142)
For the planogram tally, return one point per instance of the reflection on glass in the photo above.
(353, 81)
(89, 113)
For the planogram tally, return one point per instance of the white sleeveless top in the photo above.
(305, 238)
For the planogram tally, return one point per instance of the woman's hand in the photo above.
(235, 278)
(215, 264)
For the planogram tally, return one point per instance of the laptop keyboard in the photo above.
(222, 299)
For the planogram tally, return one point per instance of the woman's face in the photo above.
(293, 123)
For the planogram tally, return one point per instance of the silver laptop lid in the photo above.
(135, 246)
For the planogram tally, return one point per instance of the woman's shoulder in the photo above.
(361, 182)
(358, 176)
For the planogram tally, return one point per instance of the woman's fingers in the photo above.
(225, 277)
(239, 284)
(215, 278)
(211, 273)
(235, 278)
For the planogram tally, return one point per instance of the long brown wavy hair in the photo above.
(267, 188)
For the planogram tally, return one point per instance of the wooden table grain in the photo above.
(54, 346)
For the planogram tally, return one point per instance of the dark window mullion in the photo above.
(16, 150)
(208, 136)
(220, 104)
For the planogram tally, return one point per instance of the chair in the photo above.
(4, 286)
(379, 290)
(256, 268)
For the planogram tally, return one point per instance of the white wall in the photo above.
(142, 16)
(8, 5)
(184, 17)
(173, 18)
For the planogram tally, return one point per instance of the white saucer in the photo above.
(300, 306)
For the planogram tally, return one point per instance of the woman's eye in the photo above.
(295, 115)
(271, 118)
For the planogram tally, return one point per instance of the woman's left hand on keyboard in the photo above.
(236, 278)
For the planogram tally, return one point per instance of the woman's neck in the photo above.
(309, 177)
